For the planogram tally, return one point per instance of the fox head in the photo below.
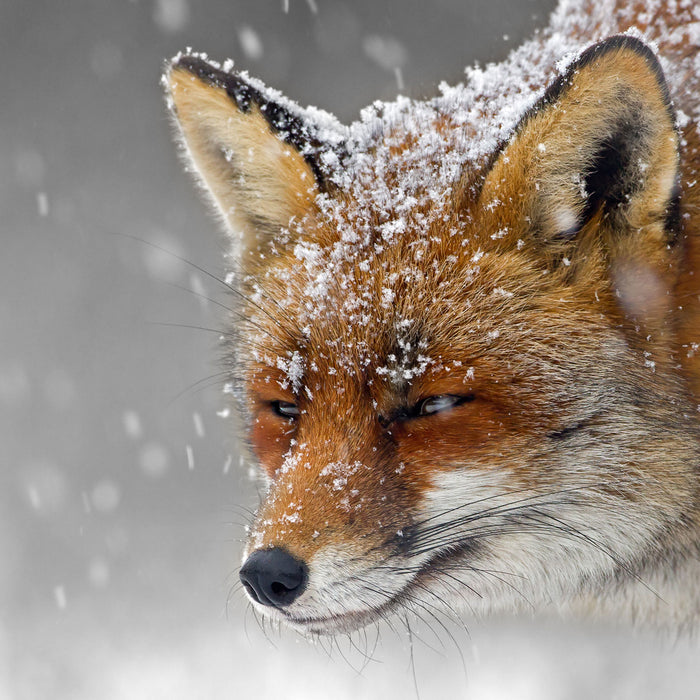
(453, 346)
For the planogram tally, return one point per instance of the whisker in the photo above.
(412, 659)
(228, 287)
(166, 324)
(481, 513)
(200, 385)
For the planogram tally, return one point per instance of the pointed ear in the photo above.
(597, 155)
(258, 159)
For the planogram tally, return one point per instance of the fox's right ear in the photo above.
(262, 164)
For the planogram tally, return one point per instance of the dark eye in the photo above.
(285, 409)
(440, 403)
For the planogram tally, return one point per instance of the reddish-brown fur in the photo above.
(560, 315)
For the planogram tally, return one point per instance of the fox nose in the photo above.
(274, 577)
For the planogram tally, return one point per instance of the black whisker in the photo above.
(190, 326)
(228, 287)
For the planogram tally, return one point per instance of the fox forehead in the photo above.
(404, 316)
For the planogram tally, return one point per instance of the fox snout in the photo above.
(274, 577)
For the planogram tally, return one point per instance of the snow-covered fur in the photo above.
(465, 331)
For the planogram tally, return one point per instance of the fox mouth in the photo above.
(339, 622)
(406, 597)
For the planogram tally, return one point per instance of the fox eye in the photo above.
(285, 409)
(439, 403)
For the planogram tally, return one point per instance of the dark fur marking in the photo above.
(672, 223)
(614, 174)
(613, 43)
(570, 430)
(289, 127)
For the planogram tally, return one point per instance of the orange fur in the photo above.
(496, 373)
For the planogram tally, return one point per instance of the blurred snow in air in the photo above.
(42, 203)
(45, 488)
(250, 43)
(99, 572)
(106, 496)
(132, 424)
(198, 289)
(198, 424)
(162, 258)
(386, 51)
(154, 460)
(59, 593)
(171, 15)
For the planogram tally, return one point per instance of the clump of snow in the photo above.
(293, 367)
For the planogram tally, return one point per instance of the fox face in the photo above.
(456, 354)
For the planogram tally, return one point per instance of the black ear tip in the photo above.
(611, 44)
(210, 73)
(195, 64)
(628, 42)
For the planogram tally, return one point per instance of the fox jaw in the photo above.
(453, 348)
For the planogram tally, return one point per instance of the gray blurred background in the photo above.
(122, 493)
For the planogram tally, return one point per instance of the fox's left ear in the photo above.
(256, 156)
(596, 158)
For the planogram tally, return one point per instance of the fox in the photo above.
(464, 338)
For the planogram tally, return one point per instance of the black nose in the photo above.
(274, 577)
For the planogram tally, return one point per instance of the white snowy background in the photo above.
(122, 494)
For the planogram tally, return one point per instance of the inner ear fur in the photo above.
(260, 163)
(599, 150)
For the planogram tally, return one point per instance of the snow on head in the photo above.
(394, 174)
(293, 368)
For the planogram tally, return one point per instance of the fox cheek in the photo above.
(270, 439)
